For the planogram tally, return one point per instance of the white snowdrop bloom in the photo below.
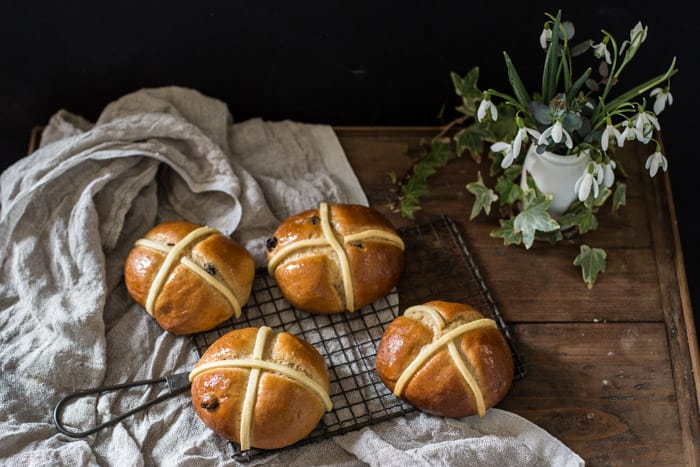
(661, 97)
(609, 173)
(609, 132)
(601, 51)
(584, 184)
(655, 161)
(507, 150)
(556, 132)
(644, 124)
(486, 106)
(545, 37)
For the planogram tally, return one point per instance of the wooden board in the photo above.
(612, 371)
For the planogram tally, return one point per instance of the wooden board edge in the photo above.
(677, 309)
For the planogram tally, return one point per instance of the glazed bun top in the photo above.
(446, 359)
(189, 277)
(338, 257)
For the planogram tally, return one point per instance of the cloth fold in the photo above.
(69, 214)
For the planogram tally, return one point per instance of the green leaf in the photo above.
(551, 62)
(552, 237)
(508, 191)
(576, 87)
(504, 128)
(466, 88)
(416, 184)
(534, 217)
(407, 208)
(516, 83)
(620, 196)
(582, 217)
(636, 91)
(592, 262)
(471, 139)
(603, 195)
(507, 232)
(484, 196)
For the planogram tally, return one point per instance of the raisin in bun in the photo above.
(336, 258)
(261, 389)
(445, 359)
(189, 277)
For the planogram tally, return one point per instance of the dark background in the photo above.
(340, 63)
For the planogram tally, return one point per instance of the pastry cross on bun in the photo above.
(336, 258)
(445, 359)
(189, 277)
(261, 389)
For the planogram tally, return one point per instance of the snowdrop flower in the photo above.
(662, 96)
(644, 123)
(609, 132)
(585, 183)
(609, 173)
(638, 34)
(655, 161)
(522, 136)
(598, 173)
(487, 106)
(545, 37)
(507, 150)
(556, 132)
(626, 135)
(601, 50)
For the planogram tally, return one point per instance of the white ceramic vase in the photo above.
(555, 174)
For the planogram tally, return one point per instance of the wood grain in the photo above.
(612, 371)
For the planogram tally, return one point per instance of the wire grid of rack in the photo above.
(438, 265)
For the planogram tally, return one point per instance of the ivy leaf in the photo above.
(619, 197)
(504, 128)
(417, 184)
(534, 217)
(508, 190)
(408, 207)
(602, 197)
(471, 139)
(507, 232)
(552, 237)
(466, 88)
(582, 217)
(484, 197)
(516, 83)
(592, 262)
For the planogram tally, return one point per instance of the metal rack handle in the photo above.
(176, 383)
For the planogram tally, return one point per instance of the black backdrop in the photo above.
(342, 63)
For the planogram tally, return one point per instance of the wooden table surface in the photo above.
(612, 371)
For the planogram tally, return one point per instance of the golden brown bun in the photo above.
(187, 302)
(438, 386)
(311, 278)
(284, 409)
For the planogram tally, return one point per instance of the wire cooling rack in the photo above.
(438, 265)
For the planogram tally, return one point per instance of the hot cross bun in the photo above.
(336, 258)
(189, 277)
(445, 359)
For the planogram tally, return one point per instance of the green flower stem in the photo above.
(551, 62)
(510, 100)
(613, 105)
(613, 72)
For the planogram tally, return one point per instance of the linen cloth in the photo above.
(69, 214)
